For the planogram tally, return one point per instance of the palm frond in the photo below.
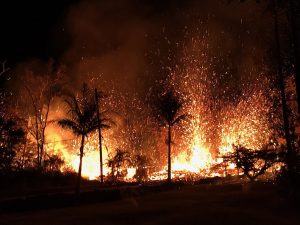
(71, 125)
(107, 122)
(179, 119)
(82, 113)
(168, 106)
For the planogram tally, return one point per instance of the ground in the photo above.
(190, 204)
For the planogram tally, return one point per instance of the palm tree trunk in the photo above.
(169, 154)
(100, 136)
(77, 190)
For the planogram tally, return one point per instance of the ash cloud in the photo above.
(133, 43)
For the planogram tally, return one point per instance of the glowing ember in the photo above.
(199, 159)
(130, 173)
(215, 124)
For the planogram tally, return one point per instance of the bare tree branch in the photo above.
(4, 68)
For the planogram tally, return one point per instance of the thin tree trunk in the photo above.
(37, 137)
(169, 154)
(23, 155)
(37, 143)
(36, 134)
(43, 129)
(77, 190)
(296, 50)
(100, 136)
(282, 92)
(42, 152)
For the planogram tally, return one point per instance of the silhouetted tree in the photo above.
(275, 7)
(291, 8)
(5, 95)
(101, 119)
(118, 164)
(253, 163)
(11, 134)
(281, 82)
(25, 158)
(41, 89)
(168, 107)
(82, 120)
(140, 163)
(53, 163)
(294, 18)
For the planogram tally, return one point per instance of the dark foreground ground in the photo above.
(197, 204)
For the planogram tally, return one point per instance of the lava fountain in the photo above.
(214, 125)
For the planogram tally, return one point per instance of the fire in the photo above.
(199, 160)
(91, 159)
(215, 125)
(130, 173)
(90, 167)
(91, 164)
(244, 123)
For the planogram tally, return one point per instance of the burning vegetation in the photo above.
(180, 131)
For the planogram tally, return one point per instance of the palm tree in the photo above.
(101, 124)
(82, 120)
(168, 108)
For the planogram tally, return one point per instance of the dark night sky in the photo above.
(129, 41)
(36, 29)
(134, 41)
(31, 29)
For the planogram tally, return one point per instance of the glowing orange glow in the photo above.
(199, 142)
(244, 123)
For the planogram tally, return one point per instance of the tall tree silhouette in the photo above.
(253, 163)
(82, 120)
(281, 83)
(274, 6)
(168, 109)
(41, 89)
(102, 123)
(11, 135)
(294, 18)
